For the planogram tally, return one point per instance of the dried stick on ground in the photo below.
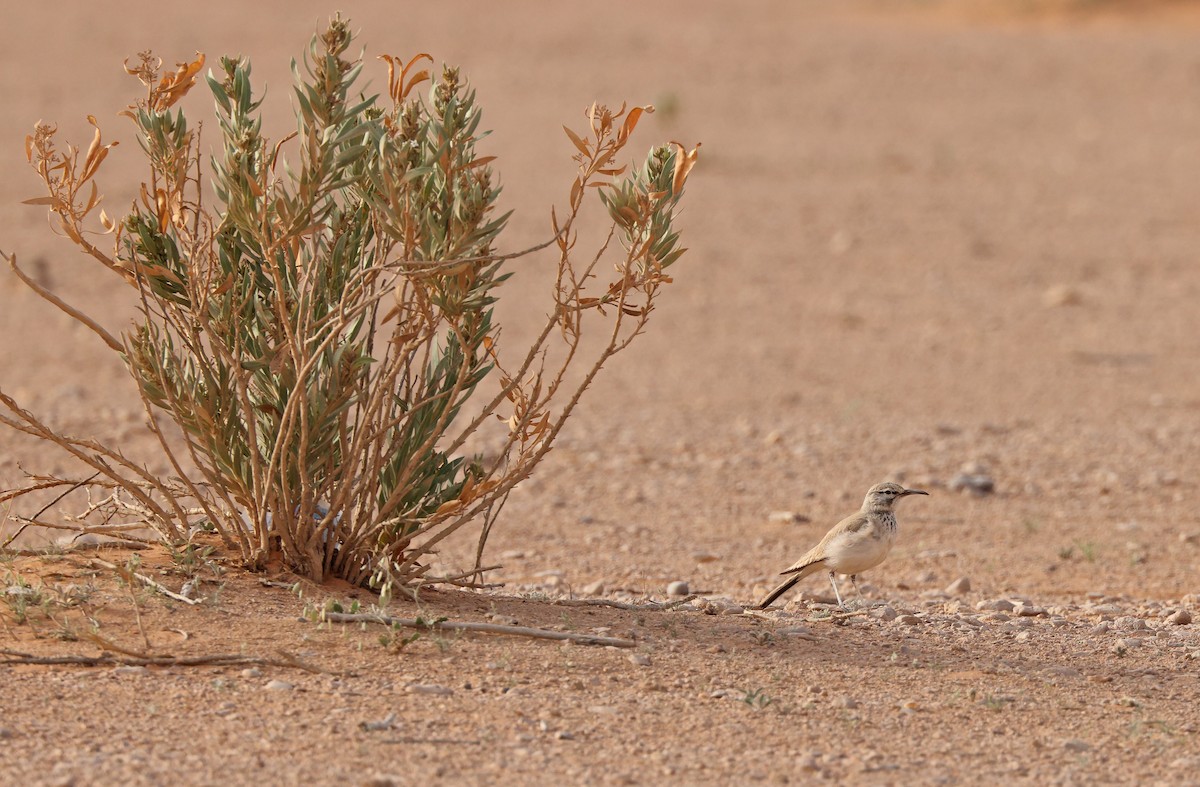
(106, 659)
(652, 606)
(161, 588)
(485, 628)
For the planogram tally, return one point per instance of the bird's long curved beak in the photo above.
(913, 492)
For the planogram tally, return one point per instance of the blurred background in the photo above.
(950, 243)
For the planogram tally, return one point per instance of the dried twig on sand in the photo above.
(161, 588)
(485, 628)
(107, 659)
(652, 606)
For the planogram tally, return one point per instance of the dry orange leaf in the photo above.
(173, 87)
(684, 161)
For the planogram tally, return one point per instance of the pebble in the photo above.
(705, 557)
(385, 723)
(800, 632)
(252, 672)
(1076, 745)
(563, 735)
(593, 588)
(6, 733)
(908, 620)
(1129, 623)
(977, 484)
(429, 688)
(959, 586)
(1065, 672)
(846, 702)
(138, 671)
(1180, 618)
(279, 685)
(1029, 611)
(1061, 295)
(885, 613)
(786, 518)
(639, 659)
(996, 605)
(678, 588)
(1024, 636)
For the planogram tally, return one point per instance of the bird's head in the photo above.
(882, 497)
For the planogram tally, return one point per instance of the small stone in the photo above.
(800, 632)
(1180, 618)
(977, 484)
(6, 733)
(849, 703)
(252, 672)
(279, 685)
(908, 620)
(385, 723)
(959, 586)
(512, 554)
(885, 613)
(840, 242)
(705, 557)
(1024, 636)
(786, 518)
(1065, 672)
(137, 671)
(1129, 623)
(639, 659)
(1061, 295)
(380, 781)
(1029, 611)
(429, 688)
(593, 588)
(718, 648)
(563, 735)
(678, 588)
(996, 605)
(1076, 745)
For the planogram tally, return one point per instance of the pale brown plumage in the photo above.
(857, 543)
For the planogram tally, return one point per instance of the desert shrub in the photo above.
(315, 350)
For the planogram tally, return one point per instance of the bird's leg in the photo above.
(833, 582)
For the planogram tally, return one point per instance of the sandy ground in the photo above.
(922, 241)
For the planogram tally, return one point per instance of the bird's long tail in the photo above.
(794, 575)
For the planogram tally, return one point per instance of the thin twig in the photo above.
(45, 508)
(161, 588)
(213, 660)
(485, 628)
(653, 606)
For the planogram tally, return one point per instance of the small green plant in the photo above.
(757, 699)
(1087, 549)
(995, 703)
(316, 349)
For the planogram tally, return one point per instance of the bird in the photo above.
(857, 543)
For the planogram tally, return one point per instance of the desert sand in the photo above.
(927, 241)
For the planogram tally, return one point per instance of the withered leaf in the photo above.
(684, 161)
(577, 141)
